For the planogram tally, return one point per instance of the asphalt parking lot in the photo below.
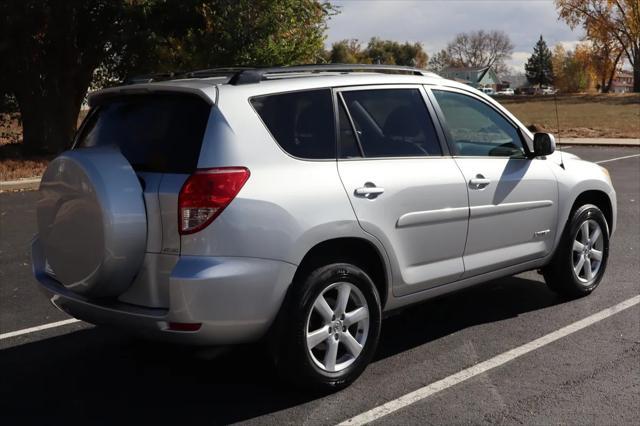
(78, 373)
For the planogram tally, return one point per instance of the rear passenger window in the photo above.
(155, 133)
(302, 123)
(392, 123)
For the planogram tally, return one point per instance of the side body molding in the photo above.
(450, 214)
(496, 209)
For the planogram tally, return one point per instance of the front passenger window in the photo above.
(476, 129)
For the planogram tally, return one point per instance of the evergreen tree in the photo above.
(539, 69)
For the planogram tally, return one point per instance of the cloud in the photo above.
(517, 61)
(435, 23)
(568, 44)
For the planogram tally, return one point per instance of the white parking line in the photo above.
(38, 328)
(618, 158)
(487, 365)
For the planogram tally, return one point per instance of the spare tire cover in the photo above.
(92, 221)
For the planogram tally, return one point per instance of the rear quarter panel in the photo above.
(286, 207)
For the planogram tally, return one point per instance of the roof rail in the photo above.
(215, 72)
(211, 72)
(256, 75)
(149, 78)
(249, 75)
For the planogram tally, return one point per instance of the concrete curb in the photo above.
(20, 184)
(598, 141)
(34, 183)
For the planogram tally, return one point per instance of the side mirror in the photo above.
(543, 144)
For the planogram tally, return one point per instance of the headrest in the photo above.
(402, 122)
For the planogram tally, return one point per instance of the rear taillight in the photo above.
(205, 195)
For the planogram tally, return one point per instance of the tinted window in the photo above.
(156, 133)
(348, 142)
(301, 122)
(392, 123)
(476, 129)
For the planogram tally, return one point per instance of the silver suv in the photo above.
(299, 204)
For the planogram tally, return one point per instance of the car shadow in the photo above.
(97, 375)
(490, 302)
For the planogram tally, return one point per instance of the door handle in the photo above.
(369, 190)
(479, 182)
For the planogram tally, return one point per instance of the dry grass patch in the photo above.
(22, 169)
(585, 116)
(10, 128)
(14, 164)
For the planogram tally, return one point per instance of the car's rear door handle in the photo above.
(479, 182)
(369, 190)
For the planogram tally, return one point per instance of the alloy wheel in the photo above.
(587, 251)
(337, 326)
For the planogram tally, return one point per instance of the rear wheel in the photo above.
(331, 328)
(581, 259)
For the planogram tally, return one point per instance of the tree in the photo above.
(615, 19)
(49, 52)
(53, 50)
(439, 61)
(583, 56)
(346, 52)
(246, 33)
(379, 51)
(538, 68)
(390, 52)
(572, 69)
(605, 56)
(558, 62)
(480, 49)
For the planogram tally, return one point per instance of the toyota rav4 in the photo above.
(297, 205)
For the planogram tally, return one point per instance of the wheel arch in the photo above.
(359, 251)
(597, 198)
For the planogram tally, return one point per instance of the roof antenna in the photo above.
(555, 99)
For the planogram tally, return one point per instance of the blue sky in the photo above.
(436, 22)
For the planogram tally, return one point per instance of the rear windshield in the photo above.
(301, 122)
(156, 133)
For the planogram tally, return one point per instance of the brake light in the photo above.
(206, 194)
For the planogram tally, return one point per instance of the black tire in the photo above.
(288, 346)
(559, 274)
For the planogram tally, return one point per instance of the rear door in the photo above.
(403, 188)
(512, 197)
(161, 136)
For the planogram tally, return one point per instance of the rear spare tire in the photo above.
(92, 221)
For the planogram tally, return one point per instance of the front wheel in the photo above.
(331, 328)
(581, 258)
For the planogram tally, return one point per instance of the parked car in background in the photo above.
(488, 91)
(297, 205)
(549, 91)
(506, 92)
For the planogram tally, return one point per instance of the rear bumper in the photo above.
(235, 299)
